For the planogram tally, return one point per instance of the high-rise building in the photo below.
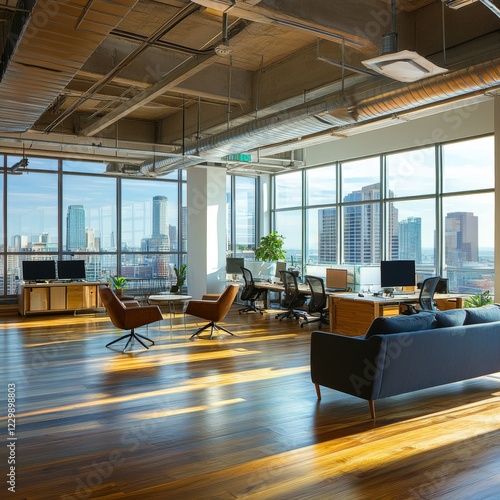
(160, 217)
(410, 239)
(461, 238)
(160, 238)
(90, 239)
(327, 235)
(362, 227)
(75, 228)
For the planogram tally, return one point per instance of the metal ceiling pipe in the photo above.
(376, 102)
(34, 76)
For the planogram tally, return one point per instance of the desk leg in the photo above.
(265, 298)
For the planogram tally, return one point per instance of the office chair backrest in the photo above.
(318, 298)
(426, 298)
(291, 297)
(249, 291)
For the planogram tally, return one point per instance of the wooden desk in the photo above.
(267, 287)
(352, 315)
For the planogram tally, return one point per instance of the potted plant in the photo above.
(119, 283)
(270, 248)
(180, 274)
(479, 299)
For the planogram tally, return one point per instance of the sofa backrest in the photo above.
(430, 320)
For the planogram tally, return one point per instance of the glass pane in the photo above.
(33, 163)
(469, 165)
(361, 225)
(411, 173)
(88, 167)
(289, 224)
(32, 212)
(245, 216)
(469, 242)
(359, 174)
(184, 219)
(229, 213)
(89, 214)
(288, 189)
(412, 233)
(149, 224)
(321, 188)
(321, 237)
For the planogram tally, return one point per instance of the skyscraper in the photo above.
(160, 238)
(327, 235)
(362, 227)
(160, 217)
(410, 239)
(75, 228)
(461, 238)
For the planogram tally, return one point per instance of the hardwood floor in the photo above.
(234, 417)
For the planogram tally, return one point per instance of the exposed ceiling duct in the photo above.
(377, 102)
(66, 35)
(138, 85)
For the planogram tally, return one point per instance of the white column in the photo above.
(206, 230)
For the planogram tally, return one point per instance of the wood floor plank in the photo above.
(228, 418)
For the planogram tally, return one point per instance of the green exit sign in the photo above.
(239, 157)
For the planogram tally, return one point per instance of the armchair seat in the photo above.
(213, 309)
(128, 315)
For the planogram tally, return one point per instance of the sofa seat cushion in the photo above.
(451, 317)
(401, 324)
(484, 314)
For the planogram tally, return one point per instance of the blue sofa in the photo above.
(401, 354)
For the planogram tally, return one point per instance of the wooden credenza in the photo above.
(352, 315)
(58, 297)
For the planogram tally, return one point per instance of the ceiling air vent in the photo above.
(404, 66)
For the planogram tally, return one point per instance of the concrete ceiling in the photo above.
(161, 84)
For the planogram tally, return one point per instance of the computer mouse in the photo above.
(360, 295)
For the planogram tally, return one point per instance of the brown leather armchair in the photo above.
(213, 308)
(128, 316)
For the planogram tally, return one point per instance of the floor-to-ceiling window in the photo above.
(241, 215)
(468, 214)
(66, 209)
(433, 204)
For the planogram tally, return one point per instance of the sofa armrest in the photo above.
(346, 364)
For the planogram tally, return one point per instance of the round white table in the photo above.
(170, 299)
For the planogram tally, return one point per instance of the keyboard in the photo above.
(336, 289)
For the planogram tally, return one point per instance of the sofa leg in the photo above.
(318, 391)
(371, 403)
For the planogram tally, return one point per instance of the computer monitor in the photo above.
(39, 270)
(280, 266)
(336, 279)
(397, 273)
(71, 270)
(234, 265)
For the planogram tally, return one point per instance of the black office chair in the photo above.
(426, 298)
(292, 298)
(250, 293)
(317, 306)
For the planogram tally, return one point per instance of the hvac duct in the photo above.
(376, 102)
